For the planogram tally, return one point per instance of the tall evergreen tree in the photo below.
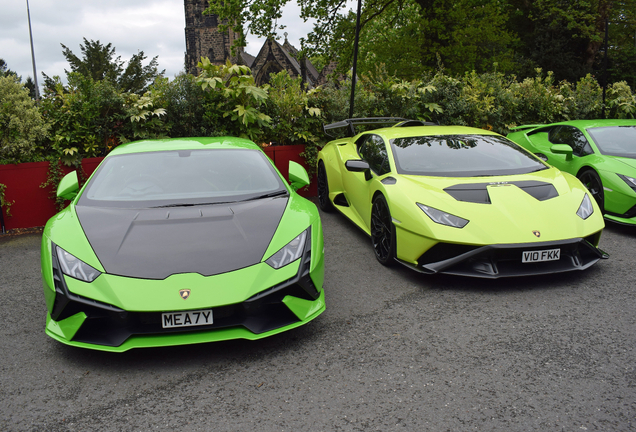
(101, 62)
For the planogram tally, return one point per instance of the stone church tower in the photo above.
(203, 38)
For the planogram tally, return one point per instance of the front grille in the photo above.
(496, 261)
(444, 251)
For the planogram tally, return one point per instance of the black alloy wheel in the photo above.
(323, 189)
(593, 183)
(382, 231)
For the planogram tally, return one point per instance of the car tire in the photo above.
(594, 185)
(323, 189)
(382, 231)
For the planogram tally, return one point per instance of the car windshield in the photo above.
(182, 178)
(615, 140)
(462, 156)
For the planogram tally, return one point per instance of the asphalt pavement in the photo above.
(394, 351)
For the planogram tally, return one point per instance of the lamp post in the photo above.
(355, 60)
(35, 74)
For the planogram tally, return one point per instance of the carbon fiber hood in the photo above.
(155, 243)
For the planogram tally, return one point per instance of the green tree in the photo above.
(4, 69)
(22, 128)
(410, 36)
(622, 43)
(88, 117)
(567, 37)
(100, 62)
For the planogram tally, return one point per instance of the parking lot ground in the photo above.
(395, 350)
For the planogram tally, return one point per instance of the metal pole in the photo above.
(355, 60)
(605, 67)
(35, 74)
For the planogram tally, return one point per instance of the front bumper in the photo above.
(505, 260)
(627, 218)
(292, 296)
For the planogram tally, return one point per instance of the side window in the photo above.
(373, 150)
(573, 137)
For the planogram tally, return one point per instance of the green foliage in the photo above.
(413, 37)
(391, 96)
(88, 117)
(53, 179)
(232, 92)
(296, 118)
(4, 204)
(293, 119)
(184, 102)
(144, 117)
(22, 127)
(100, 62)
(4, 69)
(621, 101)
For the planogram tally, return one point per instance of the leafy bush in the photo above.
(145, 118)
(294, 117)
(22, 127)
(620, 101)
(88, 118)
(185, 104)
(232, 92)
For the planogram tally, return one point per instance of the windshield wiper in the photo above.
(193, 205)
(268, 195)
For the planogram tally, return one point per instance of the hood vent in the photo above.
(478, 192)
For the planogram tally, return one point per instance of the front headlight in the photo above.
(443, 218)
(289, 253)
(631, 181)
(74, 267)
(586, 208)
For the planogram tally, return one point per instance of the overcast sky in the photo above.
(153, 26)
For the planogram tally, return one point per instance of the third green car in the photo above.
(601, 153)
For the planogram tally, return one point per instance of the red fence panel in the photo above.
(281, 157)
(32, 205)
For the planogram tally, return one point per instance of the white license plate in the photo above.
(186, 318)
(541, 255)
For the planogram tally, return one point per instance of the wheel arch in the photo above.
(585, 168)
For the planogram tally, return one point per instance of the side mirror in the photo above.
(68, 187)
(563, 149)
(354, 165)
(357, 165)
(298, 176)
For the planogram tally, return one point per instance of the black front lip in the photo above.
(108, 325)
(496, 261)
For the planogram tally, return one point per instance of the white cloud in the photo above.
(155, 27)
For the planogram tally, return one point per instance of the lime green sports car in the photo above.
(458, 200)
(601, 153)
(182, 241)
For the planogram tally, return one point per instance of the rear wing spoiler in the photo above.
(350, 124)
(525, 127)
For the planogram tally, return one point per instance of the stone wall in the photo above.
(203, 38)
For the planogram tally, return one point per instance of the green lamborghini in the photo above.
(457, 200)
(601, 153)
(182, 241)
